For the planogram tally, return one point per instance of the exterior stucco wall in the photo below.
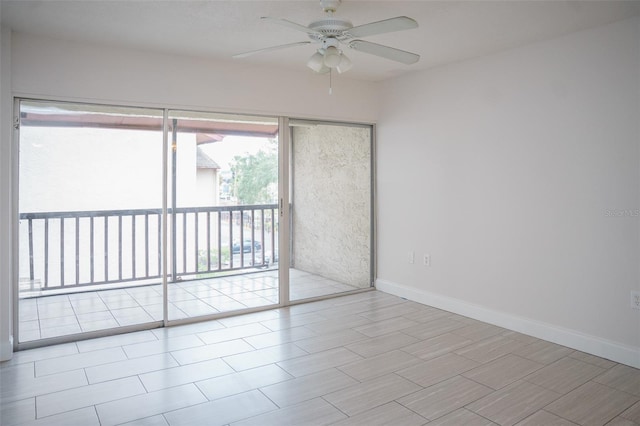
(331, 222)
(207, 187)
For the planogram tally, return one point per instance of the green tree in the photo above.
(255, 177)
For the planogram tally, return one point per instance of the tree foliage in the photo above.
(255, 176)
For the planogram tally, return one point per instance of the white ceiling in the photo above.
(449, 30)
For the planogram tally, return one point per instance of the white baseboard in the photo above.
(6, 349)
(603, 348)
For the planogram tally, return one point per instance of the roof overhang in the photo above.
(209, 127)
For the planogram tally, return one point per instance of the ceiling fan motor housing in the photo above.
(329, 27)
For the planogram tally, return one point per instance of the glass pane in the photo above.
(90, 200)
(330, 209)
(223, 191)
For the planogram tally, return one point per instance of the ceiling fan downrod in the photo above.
(330, 6)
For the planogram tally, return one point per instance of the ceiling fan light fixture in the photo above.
(345, 64)
(332, 57)
(316, 62)
(325, 69)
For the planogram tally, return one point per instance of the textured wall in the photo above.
(332, 202)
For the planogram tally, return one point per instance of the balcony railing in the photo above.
(84, 248)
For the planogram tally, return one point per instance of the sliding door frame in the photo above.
(373, 197)
(15, 215)
(284, 141)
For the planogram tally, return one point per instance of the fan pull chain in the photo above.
(330, 81)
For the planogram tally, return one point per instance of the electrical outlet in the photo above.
(635, 299)
(426, 260)
(411, 257)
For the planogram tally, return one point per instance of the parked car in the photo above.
(246, 246)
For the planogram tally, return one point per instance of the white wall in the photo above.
(52, 68)
(46, 68)
(508, 170)
(6, 208)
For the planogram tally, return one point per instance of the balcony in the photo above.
(92, 270)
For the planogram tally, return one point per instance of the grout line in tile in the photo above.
(322, 310)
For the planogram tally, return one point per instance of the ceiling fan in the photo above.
(332, 33)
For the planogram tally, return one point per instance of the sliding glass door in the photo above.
(95, 201)
(90, 211)
(135, 218)
(223, 213)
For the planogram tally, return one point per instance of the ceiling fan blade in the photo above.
(399, 23)
(291, 24)
(384, 51)
(269, 49)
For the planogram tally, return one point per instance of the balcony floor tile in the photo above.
(85, 311)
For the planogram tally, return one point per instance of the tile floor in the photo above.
(364, 359)
(59, 315)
